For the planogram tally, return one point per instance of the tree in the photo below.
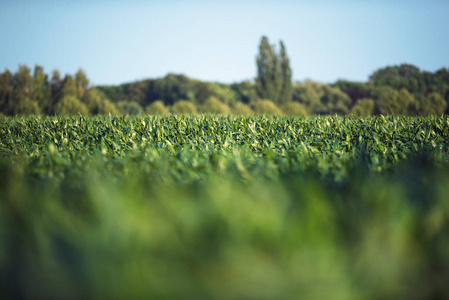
(107, 107)
(392, 102)
(334, 101)
(294, 109)
(309, 94)
(245, 91)
(398, 77)
(97, 103)
(184, 107)
(240, 108)
(55, 91)
(157, 108)
(26, 106)
(82, 83)
(266, 107)
(22, 103)
(433, 104)
(269, 72)
(137, 92)
(205, 90)
(170, 89)
(40, 92)
(405, 103)
(69, 87)
(418, 83)
(321, 98)
(6, 92)
(363, 107)
(385, 97)
(355, 90)
(70, 105)
(130, 108)
(286, 73)
(215, 106)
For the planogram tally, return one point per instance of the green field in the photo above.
(224, 207)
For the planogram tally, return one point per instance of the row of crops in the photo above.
(224, 207)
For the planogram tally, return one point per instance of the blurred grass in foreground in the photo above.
(149, 223)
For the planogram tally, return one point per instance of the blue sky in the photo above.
(122, 41)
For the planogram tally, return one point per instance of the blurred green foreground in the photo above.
(213, 207)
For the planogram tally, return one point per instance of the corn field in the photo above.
(224, 207)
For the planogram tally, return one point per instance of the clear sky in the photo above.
(121, 41)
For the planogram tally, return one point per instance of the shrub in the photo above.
(363, 107)
(406, 102)
(71, 105)
(434, 104)
(215, 106)
(183, 107)
(266, 107)
(321, 98)
(107, 107)
(393, 102)
(241, 109)
(98, 104)
(294, 109)
(26, 106)
(157, 108)
(130, 108)
(334, 101)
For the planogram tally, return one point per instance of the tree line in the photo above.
(37, 93)
(394, 90)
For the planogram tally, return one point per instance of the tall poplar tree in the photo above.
(286, 72)
(268, 71)
(274, 75)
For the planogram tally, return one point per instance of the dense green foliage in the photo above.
(418, 83)
(274, 76)
(385, 84)
(398, 90)
(363, 107)
(207, 207)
